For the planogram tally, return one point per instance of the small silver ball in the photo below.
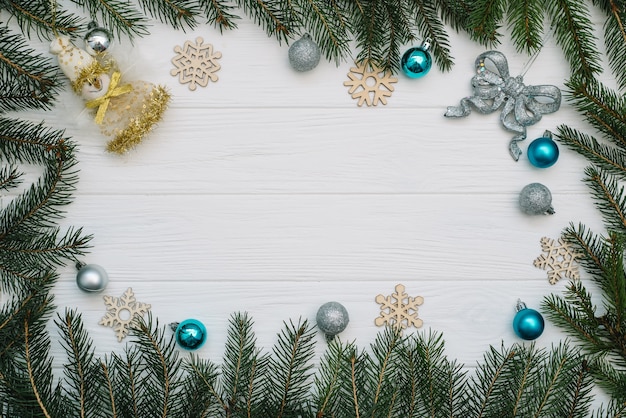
(97, 39)
(304, 54)
(536, 199)
(92, 278)
(332, 318)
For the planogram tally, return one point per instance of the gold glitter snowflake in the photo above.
(369, 84)
(559, 259)
(122, 311)
(399, 309)
(196, 63)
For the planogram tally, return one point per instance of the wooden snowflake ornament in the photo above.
(559, 259)
(122, 311)
(369, 84)
(196, 64)
(399, 310)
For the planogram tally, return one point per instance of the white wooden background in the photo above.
(271, 192)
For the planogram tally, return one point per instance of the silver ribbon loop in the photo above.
(493, 90)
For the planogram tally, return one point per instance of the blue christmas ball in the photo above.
(528, 324)
(416, 62)
(543, 152)
(190, 334)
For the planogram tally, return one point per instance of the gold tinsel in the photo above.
(89, 74)
(139, 126)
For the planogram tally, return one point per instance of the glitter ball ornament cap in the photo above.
(528, 324)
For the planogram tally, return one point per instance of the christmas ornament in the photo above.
(97, 40)
(536, 199)
(332, 318)
(399, 310)
(527, 323)
(369, 84)
(559, 259)
(91, 277)
(416, 61)
(196, 64)
(497, 90)
(543, 152)
(122, 311)
(190, 334)
(125, 112)
(304, 54)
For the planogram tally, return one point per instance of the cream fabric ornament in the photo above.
(126, 112)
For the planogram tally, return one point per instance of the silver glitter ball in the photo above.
(91, 277)
(97, 39)
(332, 318)
(536, 199)
(304, 54)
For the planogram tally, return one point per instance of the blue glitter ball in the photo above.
(528, 324)
(543, 152)
(191, 334)
(416, 62)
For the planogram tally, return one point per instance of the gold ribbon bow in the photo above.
(102, 103)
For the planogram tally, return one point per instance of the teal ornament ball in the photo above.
(91, 277)
(190, 334)
(332, 318)
(543, 152)
(528, 324)
(416, 61)
(304, 54)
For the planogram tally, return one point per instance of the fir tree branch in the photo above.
(454, 13)
(484, 21)
(201, 382)
(574, 33)
(179, 14)
(433, 29)
(526, 23)
(31, 370)
(10, 177)
(615, 37)
(118, 15)
(218, 13)
(609, 198)
(329, 378)
(270, 15)
(109, 387)
(43, 17)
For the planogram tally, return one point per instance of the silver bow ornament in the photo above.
(495, 90)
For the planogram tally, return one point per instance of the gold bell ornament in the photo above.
(125, 112)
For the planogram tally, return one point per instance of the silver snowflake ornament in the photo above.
(196, 64)
(399, 310)
(559, 259)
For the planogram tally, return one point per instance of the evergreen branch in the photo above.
(10, 177)
(328, 380)
(289, 369)
(179, 14)
(602, 107)
(201, 382)
(608, 158)
(268, 14)
(83, 373)
(368, 26)
(118, 15)
(526, 23)
(42, 17)
(127, 387)
(574, 33)
(328, 26)
(454, 13)
(218, 13)
(588, 245)
(162, 372)
(433, 29)
(610, 198)
(615, 37)
(27, 79)
(109, 387)
(31, 371)
(484, 21)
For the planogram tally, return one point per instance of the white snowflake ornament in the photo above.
(122, 311)
(196, 64)
(370, 84)
(399, 310)
(559, 259)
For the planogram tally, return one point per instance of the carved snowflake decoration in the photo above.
(196, 63)
(122, 311)
(369, 84)
(559, 259)
(399, 309)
